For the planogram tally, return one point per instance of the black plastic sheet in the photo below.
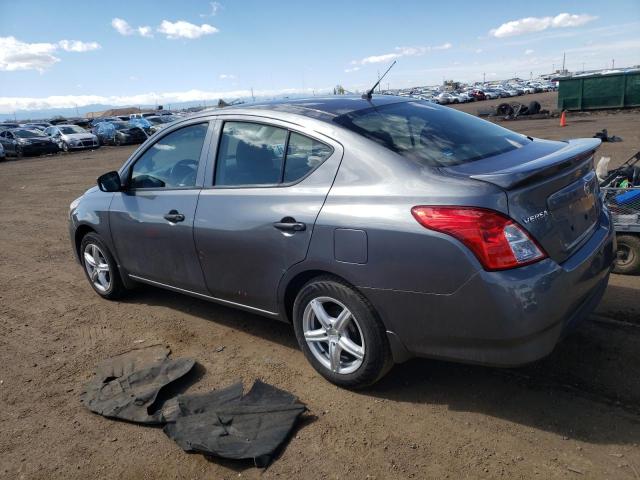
(227, 424)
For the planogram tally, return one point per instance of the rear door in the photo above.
(152, 220)
(256, 218)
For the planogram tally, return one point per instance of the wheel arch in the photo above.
(293, 285)
(79, 234)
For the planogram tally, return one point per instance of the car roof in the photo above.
(322, 108)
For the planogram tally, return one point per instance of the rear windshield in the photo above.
(432, 135)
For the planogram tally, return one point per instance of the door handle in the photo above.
(174, 216)
(289, 224)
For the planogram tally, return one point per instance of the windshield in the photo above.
(28, 133)
(432, 135)
(70, 129)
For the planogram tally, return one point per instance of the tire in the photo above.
(117, 142)
(19, 152)
(534, 107)
(627, 260)
(362, 332)
(65, 147)
(504, 109)
(93, 245)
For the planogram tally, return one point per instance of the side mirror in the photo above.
(110, 182)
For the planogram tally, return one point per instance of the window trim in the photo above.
(280, 184)
(137, 155)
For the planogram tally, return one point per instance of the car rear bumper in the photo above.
(505, 318)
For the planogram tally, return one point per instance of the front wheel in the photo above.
(19, 152)
(100, 267)
(65, 146)
(628, 255)
(340, 334)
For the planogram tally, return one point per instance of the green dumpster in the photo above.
(616, 90)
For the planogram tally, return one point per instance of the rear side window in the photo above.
(304, 154)
(254, 154)
(432, 135)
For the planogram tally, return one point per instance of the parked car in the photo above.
(36, 126)
(72, 137)
(118, 133)
(478, 94)
(160, 122)
(8, 126)
(491, 94)
(379, 228)
(3, 155)
(445, 98)
(21, 141)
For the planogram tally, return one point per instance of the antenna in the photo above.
(367, 95)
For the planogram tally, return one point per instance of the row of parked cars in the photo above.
(39, 138)
(478, 93)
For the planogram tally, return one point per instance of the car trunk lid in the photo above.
(551, 187)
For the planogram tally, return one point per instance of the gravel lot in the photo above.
(574, 415)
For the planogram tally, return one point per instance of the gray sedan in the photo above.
(380, 228)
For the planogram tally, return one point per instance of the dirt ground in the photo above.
(575, 414)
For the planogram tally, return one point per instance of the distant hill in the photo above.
(24, 115)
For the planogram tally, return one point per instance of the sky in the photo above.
(65, 54)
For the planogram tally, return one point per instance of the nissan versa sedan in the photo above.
(380, 228)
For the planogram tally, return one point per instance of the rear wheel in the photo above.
(100, 267)
(19, 152)
(628, 255)
(340, 334)
(65, 146)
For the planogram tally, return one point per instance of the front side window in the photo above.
(171, 162)
(250, 154)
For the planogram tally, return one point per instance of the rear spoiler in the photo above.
(574, 154)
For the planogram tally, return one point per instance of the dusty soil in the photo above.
(574, 415)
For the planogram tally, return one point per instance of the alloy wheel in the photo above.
(97, 267)
(333, 335)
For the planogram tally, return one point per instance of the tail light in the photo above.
(497, 241)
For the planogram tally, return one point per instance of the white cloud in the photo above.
(350, 70)
(78, 46)
(122, 26)
(478, 50)
(400, 52)
(215, 8)
(18, 55)
(226, 76)
(145, 31)
(182, 29)
(528, 51)
(537, 24)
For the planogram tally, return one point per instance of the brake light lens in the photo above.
(497, 241)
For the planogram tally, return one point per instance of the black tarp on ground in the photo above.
(126, 386)
(223, 422)
(226, 424)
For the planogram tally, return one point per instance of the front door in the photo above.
(152, 220)
(257, 219)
